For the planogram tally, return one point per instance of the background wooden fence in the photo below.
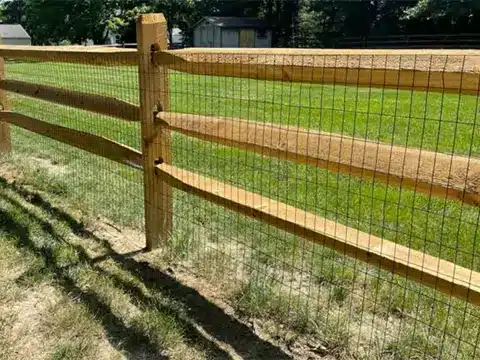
(435, 174)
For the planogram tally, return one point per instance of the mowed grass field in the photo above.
(356, 311)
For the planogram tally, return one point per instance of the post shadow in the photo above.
(119, 335)
(200, 310)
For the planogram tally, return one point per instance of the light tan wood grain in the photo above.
(94, 144)
(433, 173)
(439, 274)
(423, 70)
(89, 55)
(154, 96)
(91, 102)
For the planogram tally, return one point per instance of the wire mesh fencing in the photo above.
(92, 183)
(327, 195)
(375, 152)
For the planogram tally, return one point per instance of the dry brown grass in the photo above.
(58, 302)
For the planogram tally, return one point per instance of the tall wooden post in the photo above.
(5, 136)
(154, 96)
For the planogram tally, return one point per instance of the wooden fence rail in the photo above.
(427, 171)
(446, 71)
(92, 55)
(91, 102)
(94, 144)
(415, 265)
(434, 173)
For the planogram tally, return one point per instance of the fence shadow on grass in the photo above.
(117, 332)
(197, 310)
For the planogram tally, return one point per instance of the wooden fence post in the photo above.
(5, 136)
(154, 96)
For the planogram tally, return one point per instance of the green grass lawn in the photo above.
(69, 291)
(268, 273)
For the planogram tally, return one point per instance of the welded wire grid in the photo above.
(353, 310)
(101, 187)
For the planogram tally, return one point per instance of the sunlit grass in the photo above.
(434, 121)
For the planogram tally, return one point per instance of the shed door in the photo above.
(247, 38)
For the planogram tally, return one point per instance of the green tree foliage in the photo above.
(322, 22)
(311, 23)
(444, 16)
(14, 12)
(122, 22)
(53, 21)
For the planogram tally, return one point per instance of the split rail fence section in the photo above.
(421, 170)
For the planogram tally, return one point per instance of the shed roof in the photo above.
(13, 31)
(236, 22)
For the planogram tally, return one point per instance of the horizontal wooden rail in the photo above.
(427, 171)
(437, 273)
(85, 101)
(89, 55)
(94, 144)
(423, 70)
(326, 52)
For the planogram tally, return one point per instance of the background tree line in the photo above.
(306, 23)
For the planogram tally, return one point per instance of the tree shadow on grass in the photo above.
(196, 312)
(132, 341)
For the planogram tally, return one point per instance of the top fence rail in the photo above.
(450, 71)
(92, 55)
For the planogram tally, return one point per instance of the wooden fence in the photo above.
(419, 41)
(427, 171)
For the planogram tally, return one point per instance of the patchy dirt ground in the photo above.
(86, 286)
(70, 287)
(245, 334)
(40, 322)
